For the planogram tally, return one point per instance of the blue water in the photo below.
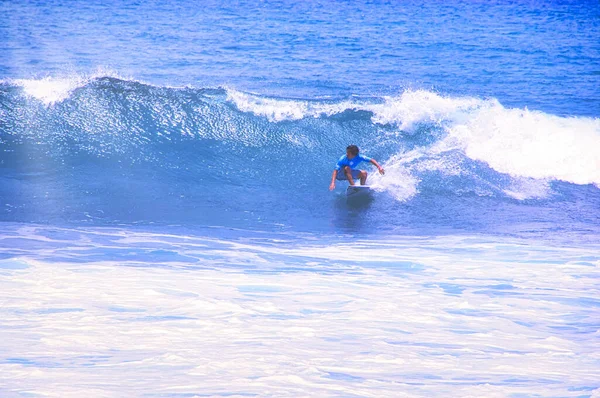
(190, 146)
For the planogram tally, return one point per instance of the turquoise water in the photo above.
(166, 223)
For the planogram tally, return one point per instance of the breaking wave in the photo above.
(104, 145)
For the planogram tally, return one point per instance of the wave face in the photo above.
(108, 150)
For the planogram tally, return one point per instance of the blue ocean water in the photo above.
(166, 223)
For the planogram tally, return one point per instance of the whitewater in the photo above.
(166, 227)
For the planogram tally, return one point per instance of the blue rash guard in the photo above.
(344, 161)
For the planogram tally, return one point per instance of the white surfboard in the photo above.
(358, 191)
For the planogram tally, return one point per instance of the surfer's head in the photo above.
(351, 151)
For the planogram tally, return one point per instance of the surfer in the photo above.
(345, 169)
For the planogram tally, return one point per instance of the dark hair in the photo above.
(353, 149)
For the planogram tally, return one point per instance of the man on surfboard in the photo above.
(345, 169)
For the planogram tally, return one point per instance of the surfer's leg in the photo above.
(363, 177)
(348, 172)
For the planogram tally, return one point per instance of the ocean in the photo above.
(166, 223)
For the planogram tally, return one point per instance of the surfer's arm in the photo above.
(381, 170)
(332, 185)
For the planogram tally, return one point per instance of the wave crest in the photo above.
(420, 136)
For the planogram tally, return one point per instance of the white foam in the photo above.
(397, 181)
(532, 144)
(277, 110)
(527, 145)
(51, 90)
(453, 316)
(414, 106)
(518, 142)
(410, 107)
